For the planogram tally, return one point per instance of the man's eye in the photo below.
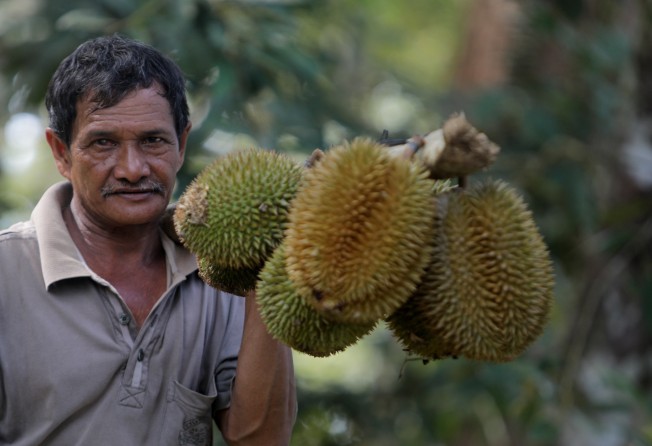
(102, 142)
(153, 140)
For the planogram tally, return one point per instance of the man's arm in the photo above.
(263, 401)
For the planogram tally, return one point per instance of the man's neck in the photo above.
(107, 249)
(131, 259)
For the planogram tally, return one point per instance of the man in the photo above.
(107, 335)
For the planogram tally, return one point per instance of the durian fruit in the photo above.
(356, 231)
(487, 292)
(457, 149)
(231, 280)
(290, 319)
(233, 214)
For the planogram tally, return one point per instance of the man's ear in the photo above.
(60, 152)
(183, 140)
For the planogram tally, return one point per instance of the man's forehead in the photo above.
(93, 100)
(141, 107)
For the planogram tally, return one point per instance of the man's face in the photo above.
(122, 160)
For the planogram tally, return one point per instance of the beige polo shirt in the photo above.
(73, 368)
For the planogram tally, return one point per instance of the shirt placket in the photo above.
(134, 382)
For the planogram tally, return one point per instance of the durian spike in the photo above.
(455, 150)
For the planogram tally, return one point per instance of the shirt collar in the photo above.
(60, 258)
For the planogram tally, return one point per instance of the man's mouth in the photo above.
(148, 189)
(132, 191)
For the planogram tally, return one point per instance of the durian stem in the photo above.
(387, 141)
(403, 148)
(415, 143)
(424, 361)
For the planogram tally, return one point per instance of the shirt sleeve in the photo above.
(229, 349)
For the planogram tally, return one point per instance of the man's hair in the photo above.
(105, 70)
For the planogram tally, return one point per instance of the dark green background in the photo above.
(572, 117)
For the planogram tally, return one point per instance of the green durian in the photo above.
(234, 212)
(488, 290)
(231, 280)
(356, 231)
(290, 319)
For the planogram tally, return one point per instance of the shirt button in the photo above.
(124, 319)
(141, 355)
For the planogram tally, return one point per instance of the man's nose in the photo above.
(132, 163)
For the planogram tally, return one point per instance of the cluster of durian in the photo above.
(364, 233)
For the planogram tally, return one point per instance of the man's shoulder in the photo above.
(18, 231)
(18, 244)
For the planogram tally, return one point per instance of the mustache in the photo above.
(126, 187)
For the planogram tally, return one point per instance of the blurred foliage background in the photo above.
(563, 86)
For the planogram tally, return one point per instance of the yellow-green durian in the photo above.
(357, 230)
(231, 280)
(293, 321)
(487, 292)
(234, 212)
